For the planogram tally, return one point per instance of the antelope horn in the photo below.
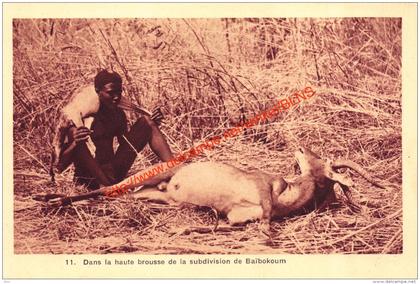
(125, 104)
(338, 164)
(350, 201)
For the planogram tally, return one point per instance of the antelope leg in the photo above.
(350, 201)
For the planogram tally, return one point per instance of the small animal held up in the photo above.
(79, 111)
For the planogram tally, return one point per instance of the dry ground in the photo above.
(208, 75)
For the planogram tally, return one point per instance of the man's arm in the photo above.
(75, 135)
(78, 150)
(66, 156)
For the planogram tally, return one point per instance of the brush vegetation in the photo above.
(208, 75)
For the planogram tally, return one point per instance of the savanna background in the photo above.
(208, 75)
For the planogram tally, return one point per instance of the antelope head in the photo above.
(324, 173)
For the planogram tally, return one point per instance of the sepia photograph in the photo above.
(207, 138)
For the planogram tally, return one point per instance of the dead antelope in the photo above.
(243, 196)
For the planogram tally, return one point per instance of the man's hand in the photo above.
(157, 116)
(81, 134)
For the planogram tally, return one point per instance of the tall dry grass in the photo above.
(208, 75)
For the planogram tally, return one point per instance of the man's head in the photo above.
(108, 85)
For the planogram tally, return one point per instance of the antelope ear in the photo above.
(278, 186)
(337, 177)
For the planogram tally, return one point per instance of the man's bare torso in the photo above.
(105, 127)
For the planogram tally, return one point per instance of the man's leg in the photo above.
(142, 132)
(158, 143)
(138, 136)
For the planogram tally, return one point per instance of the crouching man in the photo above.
(102, 166)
